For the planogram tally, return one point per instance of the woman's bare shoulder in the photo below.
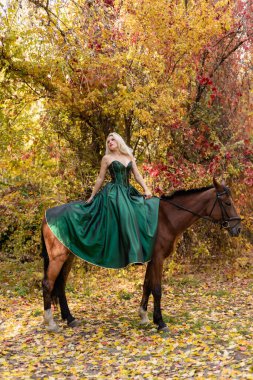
(129, 157)
(106, 159)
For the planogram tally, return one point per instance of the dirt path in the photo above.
(211, 331)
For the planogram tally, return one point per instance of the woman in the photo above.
(116, 226)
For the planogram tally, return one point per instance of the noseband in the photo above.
(225, 220)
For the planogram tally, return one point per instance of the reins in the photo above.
(224, 222)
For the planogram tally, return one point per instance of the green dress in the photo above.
(116, 229)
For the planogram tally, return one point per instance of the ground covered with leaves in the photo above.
(210, 317)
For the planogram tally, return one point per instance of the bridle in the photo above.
(225, 220)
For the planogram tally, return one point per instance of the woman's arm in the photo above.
(100, 178)
(138, 177)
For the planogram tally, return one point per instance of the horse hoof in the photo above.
(144, 316)
(163, 329)
(53, 328)
(74, 323)
(144, 321)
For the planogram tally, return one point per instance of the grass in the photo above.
(183, 282)
(219, 293)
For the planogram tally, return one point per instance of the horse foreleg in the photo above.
(156, 288)
(143, 313)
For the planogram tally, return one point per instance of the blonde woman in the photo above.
(117, 225)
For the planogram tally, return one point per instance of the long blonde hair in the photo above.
(123, 148)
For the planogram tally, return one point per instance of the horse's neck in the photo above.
(194, 206)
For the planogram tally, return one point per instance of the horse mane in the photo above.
(180, 193)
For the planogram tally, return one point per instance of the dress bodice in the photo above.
(120, 173)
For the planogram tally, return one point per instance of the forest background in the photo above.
(174, 78)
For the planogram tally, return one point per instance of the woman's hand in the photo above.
(140, 180)
(148, 194)
(90, 199)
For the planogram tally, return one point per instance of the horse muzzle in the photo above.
(235, 231)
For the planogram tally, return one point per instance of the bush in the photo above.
(22, 209)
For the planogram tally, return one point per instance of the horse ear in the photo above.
(218, 187)
(223, 183)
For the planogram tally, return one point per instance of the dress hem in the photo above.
(100, 266)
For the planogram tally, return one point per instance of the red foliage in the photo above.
(25, 156)
(248, 179)
(109, 3)
(204, 80)
(176, 174)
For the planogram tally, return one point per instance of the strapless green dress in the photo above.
(116, 229)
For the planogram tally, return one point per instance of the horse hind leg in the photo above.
(47, 299)
(143, 313)
(48, 315)
(53, 263)
(65, 312)
(51, 293)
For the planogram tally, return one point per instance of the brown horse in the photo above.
(177, 212)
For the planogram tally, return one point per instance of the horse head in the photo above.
(223, 210)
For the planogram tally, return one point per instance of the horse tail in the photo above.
(55, 293)
(44, 253)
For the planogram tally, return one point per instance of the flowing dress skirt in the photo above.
(116, 229)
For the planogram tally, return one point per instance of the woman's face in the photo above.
(112, 144)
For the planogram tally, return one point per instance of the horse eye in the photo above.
(227, 203)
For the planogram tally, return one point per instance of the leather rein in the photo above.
(225, 220)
